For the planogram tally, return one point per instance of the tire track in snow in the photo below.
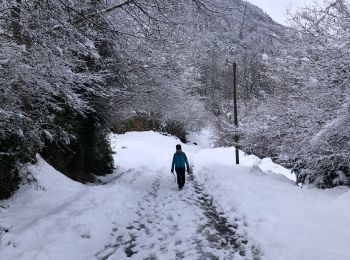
(175, 224)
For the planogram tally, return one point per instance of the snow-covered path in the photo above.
(225, 211)
(172, 224)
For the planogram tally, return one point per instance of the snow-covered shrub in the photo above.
(327, 158)
(139, 121)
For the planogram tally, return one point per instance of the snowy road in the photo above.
(174, 224)
(225, 211)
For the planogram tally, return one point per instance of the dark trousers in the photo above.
(180, 172)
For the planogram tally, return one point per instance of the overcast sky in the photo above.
(277, 8)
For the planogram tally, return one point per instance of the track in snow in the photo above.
(175, 224)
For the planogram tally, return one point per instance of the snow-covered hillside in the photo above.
(250, 211)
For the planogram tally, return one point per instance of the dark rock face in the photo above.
(84, 158)
(9, 179)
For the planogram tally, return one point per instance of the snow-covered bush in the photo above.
(138, 121)
(327, 158)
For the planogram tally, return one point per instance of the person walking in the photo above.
(180, 162)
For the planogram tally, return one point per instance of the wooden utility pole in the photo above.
(235, 108)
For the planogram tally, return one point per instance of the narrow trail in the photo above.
(174, 224)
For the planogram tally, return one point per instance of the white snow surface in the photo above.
(265, 57)
(141, 211)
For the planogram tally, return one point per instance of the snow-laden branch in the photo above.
(103, 11)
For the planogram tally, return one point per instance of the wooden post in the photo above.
(235, 108)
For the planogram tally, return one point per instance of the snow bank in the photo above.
(265, 57)
(287, 222)
(226, 156)
(205, 138)
(57, 218)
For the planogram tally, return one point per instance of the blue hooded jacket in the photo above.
(179, 161)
